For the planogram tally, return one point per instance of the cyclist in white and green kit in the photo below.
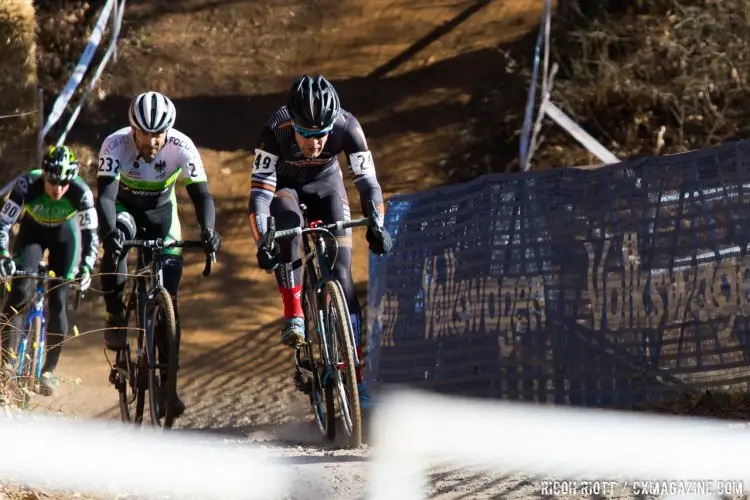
(139, 166)
(47, 202)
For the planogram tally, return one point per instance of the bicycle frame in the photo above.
(318, 265)
(37, 310)
(150, 279)
(317, 271)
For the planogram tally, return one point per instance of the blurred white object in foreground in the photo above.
(411, 427)
(107, 457)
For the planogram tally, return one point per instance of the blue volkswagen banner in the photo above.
(617, 286)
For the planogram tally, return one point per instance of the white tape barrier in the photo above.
(17, 115)
(101, 457)
(80, 70)
(120, 11)
(591, 144)
(410, 427)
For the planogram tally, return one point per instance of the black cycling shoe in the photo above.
(178, 407)
(115, 336)
(303, 384)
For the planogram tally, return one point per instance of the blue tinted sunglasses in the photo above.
(309, 133)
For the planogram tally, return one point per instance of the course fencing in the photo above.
(617, 286)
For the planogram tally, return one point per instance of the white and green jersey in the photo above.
(147, 185)
(29, 202)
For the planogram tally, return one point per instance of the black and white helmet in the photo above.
(152, 112)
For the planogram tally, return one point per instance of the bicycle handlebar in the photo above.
(271, 236)
(159, 244)
(335, 226)
(50, 275)
(372, 221)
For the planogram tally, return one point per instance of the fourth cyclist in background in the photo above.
(48, 199)
(296, 161)
(139, 166)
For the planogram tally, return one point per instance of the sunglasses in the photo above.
(58, 182)
(311, 134)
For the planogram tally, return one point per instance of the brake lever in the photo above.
(268, 239)
(375, 222)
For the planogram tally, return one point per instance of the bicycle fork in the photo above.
(303, 375)
(37, 345)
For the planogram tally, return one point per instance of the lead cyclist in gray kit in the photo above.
(296, 161)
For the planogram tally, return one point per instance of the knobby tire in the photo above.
(130, 372)
(165, 340)
(29, 367)
(327, 421)
(334, 302)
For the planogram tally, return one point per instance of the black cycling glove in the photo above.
(113, 243)
(268, 259)
(211, 240)
(379, 240)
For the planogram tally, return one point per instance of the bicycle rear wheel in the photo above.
(162, 373)
(321, 395)
(131, 381)
(341, 351)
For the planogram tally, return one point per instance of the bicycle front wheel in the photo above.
(162, 373)
(130, 370)
(30, 358)
(340, 333)
(321, 393)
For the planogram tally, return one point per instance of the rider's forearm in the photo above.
(259, 208)
(107, 188)
(4, 238)
(90, 246)
(10, 213)
(203, 202)
(369, 191)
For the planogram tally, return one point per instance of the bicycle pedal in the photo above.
(305, 364)
(302, 385)
(114, 378)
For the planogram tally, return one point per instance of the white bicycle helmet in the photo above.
(152, 112)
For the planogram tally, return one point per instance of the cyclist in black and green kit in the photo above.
(48, 200)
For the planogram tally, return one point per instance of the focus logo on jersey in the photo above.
(180, 143)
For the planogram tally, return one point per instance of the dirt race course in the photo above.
(407, 69)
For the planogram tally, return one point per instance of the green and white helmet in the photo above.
(60, 165)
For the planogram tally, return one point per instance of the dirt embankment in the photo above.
(18, 81)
